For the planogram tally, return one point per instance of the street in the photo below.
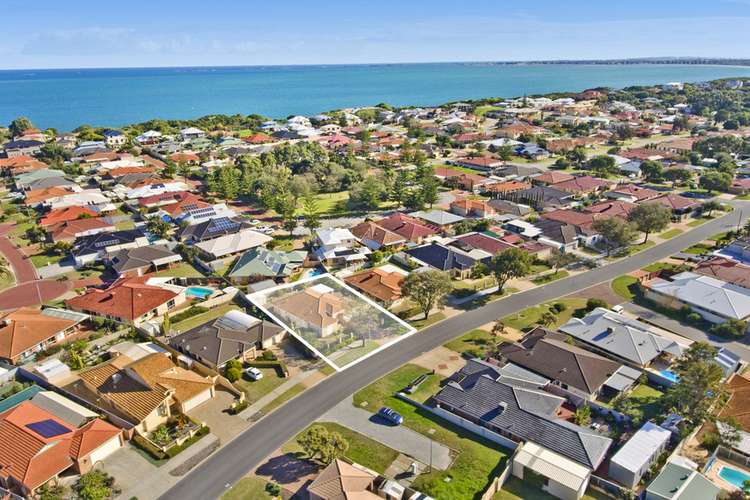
(249, 449)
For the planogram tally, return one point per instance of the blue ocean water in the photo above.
(65, 99)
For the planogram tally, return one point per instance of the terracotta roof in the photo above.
(506, 187)
(40, 195)
(24, 328)
(638, 192)
(448, 172)
(120, 171)
(127, 298)
(91, 436)
(65, 214)
(184, 157)
(28, 456)
(472, 206)
(368, 230)
(408, 227)
(379, 283)
(158, 370)
(582, 184)
(676, 202)
(482, 242)
(739, 401)
(70, 229)
(22, 163)
(614, 208)
(726, 270)
(319, 309)
(258, 138)
(552, 177)
(188, 202)
(343, 481)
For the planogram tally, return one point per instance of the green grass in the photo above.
(529, 317)
(478, 460)
(283, 398)
(457, 168)
(256, 389)
(698, 222)
(548, 278)
(284, 243)
(194, 321)
(44, 258)
(624, 286)
(476, 343)
(362, 449)
(356, 353)
(516, 489)
(481, 110)
(329, 203)
(647, 399)
(248, 487)
(641, 246)
(181, 270)
(670, 234)
(124, 225)
(431, 320)
(540, 268)
(700, 249)
(658, 266)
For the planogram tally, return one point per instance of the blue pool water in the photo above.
(672, 376)
(733, 476)
(197, 291)
(317, 271)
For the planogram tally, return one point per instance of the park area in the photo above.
(336, 322)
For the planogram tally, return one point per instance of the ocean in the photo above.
(67, 98)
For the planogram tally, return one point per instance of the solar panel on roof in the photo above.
(48, 428)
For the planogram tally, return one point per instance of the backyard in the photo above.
(646, 399)
(477, 461)
(181, 270)
(516, 489)
(199, 319)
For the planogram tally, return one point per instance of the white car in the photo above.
(255, 222)
(618, 308)
(254, 373)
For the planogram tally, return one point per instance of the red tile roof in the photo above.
(379, 283)
(91, 436)
(613, 208)
(676, 202)
(368, 230)
(582, 184)
(25, 328)
(65, 214)
(127, 298)
(70, 229)
(484, 242)
(408, 227)
(552, 177)
(638, 192)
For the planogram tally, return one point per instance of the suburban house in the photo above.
(725, 270)
(144, 392)
(381, 283)
(438, 218)
(261, 263)
(677, 481)
(558, 234)
(210, 229)
(408, 227)
(338, 248)
(230, 244)
(738, 250)
(577, 374)
(36, 446)
(621, 338)
(376, 237)
(541, 197)
(483, 164)
(317, 308)
(634, 459)
(443, 258)
(130, 300)
(472, 208)
(235, 335)
(715, 300)
(28, 331)
(95, 247)
(66, 214)
(681, 206)
(141, 260)
(631, 193)
(551, 177)
(480, 245)
(565, 454)
(70, 230)
(584, 185)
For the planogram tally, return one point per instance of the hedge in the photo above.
(157, 454)
(277, 365)
(188, 313)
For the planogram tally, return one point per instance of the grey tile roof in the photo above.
(136, 258)
(212, 228)
(527, 414)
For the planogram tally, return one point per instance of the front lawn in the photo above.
(478, 460)
(641, 246)
(431, 320)
(548, 278)
(700, 249)
(475, 343)
(45, 258)
(248, 487)
(283, 398)
(625, 286)
(256, 389)
(362, 449)
(531, 316)
(698, 222)
(194, 321)
(670, 234)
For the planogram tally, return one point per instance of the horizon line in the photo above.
(646, 60)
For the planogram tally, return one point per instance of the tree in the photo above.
(367, 194)
(318, 443)
(583, 415)
(649, 218)
(400, 189)
(715, 181)
(652, 170)
(558, 259)
(577, 155)
(547, 318)
(709, 206)
(158, 227)
(615, 232)
(311, 213)
(51, 491)
(95, 485)
(427, 289)
(18, 125)
(699, 384)
(509, 264)
(184, 170)
(603, 165)
(166, 324)
(286, 207)
(679, 176)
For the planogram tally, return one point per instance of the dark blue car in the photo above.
(391, 415)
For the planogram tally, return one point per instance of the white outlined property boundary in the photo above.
(253, 298)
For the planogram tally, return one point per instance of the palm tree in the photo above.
(548, 318)
(498, 329)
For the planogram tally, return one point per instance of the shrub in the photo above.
(592, 304)
(694, 317)
(234, 374)
(189, 313)
(239, 407)
(732, 328)
(711, 440)
(559, 307)
(273, 489)
(268, 356)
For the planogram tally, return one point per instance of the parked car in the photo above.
(254, 373)
(391, 415)
(618, 308)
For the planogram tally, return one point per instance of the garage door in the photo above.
(106, 450)
(197, 400)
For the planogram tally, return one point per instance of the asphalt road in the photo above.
(249, 449)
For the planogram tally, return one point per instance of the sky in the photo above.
(143, 33)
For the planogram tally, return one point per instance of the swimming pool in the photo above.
(198, 291)
(733, 476)
(669, 375)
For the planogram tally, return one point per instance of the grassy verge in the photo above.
(477, 462)
(430, 320)
(698, 222)
(248, 487)
(283, 398)
(362, 449)
(475, 343)
(625, 286)
(548, 278)
(531, 316)
(670, 234)
(43, 259)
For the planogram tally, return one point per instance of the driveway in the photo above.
(742, 349)
(214, 414)
(399, 438)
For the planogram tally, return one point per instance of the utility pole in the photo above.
(739, 221)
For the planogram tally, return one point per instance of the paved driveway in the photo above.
(214, 414)
(399, 438)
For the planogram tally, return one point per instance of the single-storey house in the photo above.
(381, 283)
(141, 260)
(261, 263)
(317, 308)
(634, 459)
(28, 331)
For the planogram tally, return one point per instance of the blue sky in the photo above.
(82, 33)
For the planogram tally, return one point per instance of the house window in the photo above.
(170, 304)
(162, 410)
